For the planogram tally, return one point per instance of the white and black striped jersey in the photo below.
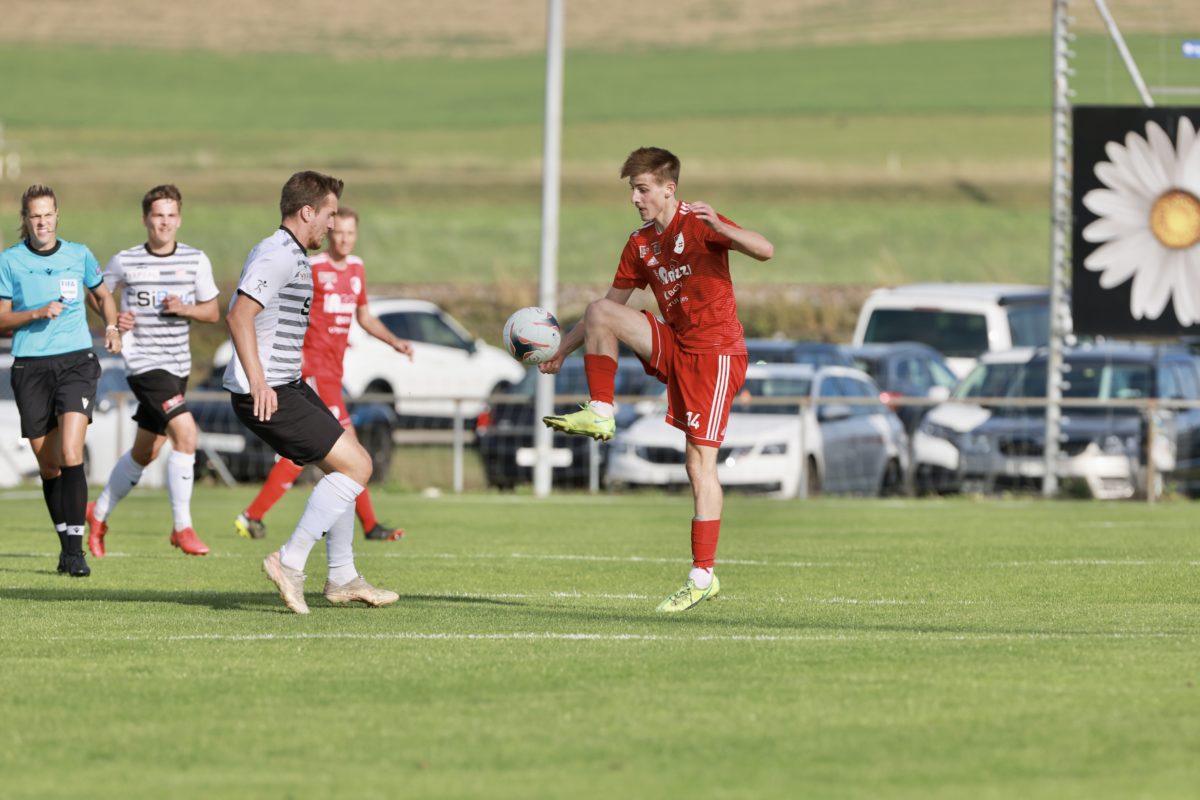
(278, 276)
(158, 340)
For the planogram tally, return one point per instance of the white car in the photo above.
(962, 321)
(447, 362)
(843, 447)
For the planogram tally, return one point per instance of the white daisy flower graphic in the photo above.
(1149, 221)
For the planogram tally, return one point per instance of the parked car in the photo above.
(792, 351)
(505, 428)
(962, 321)
(902, 370)
(248, 458)
(447, 362)
(847, 448)
(1103, 449)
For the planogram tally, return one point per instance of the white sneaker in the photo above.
(358, 590)
(290, 582)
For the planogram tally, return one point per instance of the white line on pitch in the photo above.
(629, 637)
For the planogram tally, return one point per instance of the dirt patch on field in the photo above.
(476, 28)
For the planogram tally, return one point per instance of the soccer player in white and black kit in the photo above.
(166, 285)
(267, 321)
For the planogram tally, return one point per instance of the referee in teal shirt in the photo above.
(44, 283)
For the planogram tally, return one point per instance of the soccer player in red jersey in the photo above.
(697, 349)
(339, 291)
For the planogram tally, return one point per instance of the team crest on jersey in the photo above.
(355, 285)
(679, 243)
(68, 290)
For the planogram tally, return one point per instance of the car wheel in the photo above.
(812, 478)
(893, 480)
(380, 387)
(377, 441)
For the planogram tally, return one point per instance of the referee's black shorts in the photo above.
(46, 387)
(161, 398)
(301, 429)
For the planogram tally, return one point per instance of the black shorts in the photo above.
(46, 387)
(301, 429)
(160, 399)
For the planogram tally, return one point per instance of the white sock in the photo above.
(180, 467)
(701, 576)
(328, 502)
(339, 547)
(124, 476)
(601, 409)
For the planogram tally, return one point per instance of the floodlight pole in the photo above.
(1060, 256)
(548, 263)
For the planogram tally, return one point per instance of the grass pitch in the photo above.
(860, 649)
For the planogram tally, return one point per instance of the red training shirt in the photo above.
(337, 294)
(687, 265)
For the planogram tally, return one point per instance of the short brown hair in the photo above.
(348, 213)
(168, 191)
(662, 164)
(33, 193)
(307, 188)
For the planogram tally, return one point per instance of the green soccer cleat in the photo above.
(249, 527)
(688, 596)
(584, 422)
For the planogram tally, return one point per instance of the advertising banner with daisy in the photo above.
(1136, 266)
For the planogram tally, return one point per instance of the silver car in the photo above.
(845, 440)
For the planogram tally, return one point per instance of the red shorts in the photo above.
(700, 386)
(329, 389)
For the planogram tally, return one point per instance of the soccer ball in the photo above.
(532, 335)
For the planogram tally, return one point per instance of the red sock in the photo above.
(601, 376)
(282, 476)
(365, 511)
(705, 533)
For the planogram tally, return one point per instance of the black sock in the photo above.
(74, 505)
(52, 492)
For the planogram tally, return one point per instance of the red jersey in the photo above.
(337, 294)
(687, 265)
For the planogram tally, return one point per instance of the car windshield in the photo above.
(1029, 325)
(1097, 380)
(771, 387)
(954, 334)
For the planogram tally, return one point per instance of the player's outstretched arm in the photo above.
(743, 240)
(372, 325)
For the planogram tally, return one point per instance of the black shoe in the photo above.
(381, 533)
(62, 562)
(77, 566)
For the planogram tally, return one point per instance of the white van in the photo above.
(960, 320)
